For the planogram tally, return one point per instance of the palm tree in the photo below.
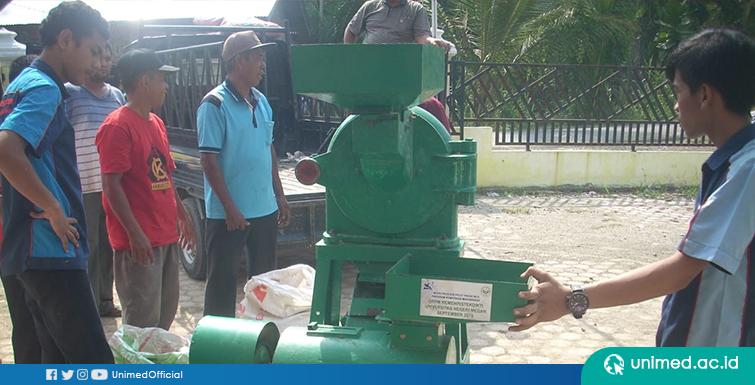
(486, 30)
(327, 19)
(579, 32)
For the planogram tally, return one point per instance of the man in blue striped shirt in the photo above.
(708, 282)
(88, 105)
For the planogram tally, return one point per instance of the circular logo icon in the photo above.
(485, 291)
(614, 365)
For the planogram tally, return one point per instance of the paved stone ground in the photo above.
(580, 238)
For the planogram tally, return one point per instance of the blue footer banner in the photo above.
(291, 374)
(607, 366)
(670, 365)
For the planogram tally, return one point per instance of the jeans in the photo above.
(66, 317)
(26, 348)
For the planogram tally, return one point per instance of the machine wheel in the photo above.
(195, 262)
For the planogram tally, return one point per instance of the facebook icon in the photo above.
(52, 374)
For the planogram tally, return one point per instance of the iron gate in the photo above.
(566, 105)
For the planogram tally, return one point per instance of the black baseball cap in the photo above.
(139, 61)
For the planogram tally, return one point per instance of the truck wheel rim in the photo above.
(189, 256)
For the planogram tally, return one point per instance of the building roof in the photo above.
(21, 12)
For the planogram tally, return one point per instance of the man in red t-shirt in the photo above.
(139, 196)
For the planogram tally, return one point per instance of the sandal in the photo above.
(114, 312)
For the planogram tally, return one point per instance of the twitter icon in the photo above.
(67, 374)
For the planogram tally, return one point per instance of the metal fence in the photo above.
(201, 70)
(526, 104)
(315, 110)
(566, 105)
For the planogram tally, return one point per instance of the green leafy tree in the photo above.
(679, 19)
(612, 32)
(579, 32)
(327, 19)
(620, 32)
(486, 30)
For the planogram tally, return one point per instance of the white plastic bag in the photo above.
(283, 297)
(283, 292)
(251, 310)
(134, 345)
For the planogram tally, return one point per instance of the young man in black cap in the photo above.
(44, 244)
(140, 200)
(244, 196)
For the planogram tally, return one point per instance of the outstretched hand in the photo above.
(547, 301)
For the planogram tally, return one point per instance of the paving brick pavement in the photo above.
(578, 238)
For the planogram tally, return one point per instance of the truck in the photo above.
(301, 123)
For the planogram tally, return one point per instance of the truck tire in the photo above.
(195, 262)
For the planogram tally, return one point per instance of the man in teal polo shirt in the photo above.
(244, 197)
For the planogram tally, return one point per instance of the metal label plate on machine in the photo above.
(453, 289)
(455, 299)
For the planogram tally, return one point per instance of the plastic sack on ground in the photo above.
(134, 345)
(250, 310)
(283, 292)
(281, 296)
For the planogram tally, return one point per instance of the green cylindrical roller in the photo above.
(221, 340)
(296, 346)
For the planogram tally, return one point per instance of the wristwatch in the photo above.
(577, 302)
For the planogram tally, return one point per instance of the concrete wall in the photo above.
(612, 168)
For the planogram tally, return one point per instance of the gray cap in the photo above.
(240, 42)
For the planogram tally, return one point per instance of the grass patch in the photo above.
(516, 210)
(655, 191)
(659, 191)
(689, 191)
(536, 191)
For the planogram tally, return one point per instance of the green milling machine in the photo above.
(394, 178)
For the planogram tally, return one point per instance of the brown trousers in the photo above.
(148, 294)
